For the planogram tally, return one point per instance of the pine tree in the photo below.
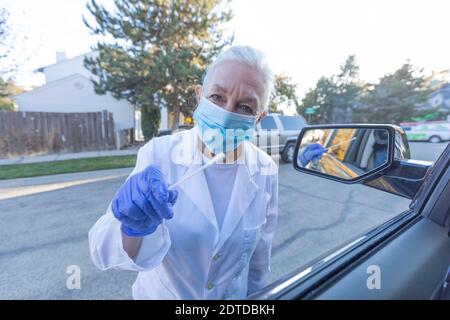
(155, 52)
(336, 96)
(396, 97)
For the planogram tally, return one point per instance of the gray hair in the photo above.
(251, 57)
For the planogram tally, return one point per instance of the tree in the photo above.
(6, 66)
(349, 88)
(7, 89)
(309, 100)
(5, 103)
(4, 36)
(3, 54)
(12, 49)
(335, 97)
(158, 52)
(396, 97)
(284, 93)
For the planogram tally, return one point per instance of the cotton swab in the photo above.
(338, 144)
(215, 159)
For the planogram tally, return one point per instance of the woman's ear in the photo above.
(198, 92)
(261, 116)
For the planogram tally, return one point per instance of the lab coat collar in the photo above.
(244, 189)
(186, 152)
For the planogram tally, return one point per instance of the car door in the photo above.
(405, 258)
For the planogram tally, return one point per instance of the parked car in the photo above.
(407, 257)
(432, 131)
(277, 133)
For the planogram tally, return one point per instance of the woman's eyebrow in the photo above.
(219, 88)
(249, 99)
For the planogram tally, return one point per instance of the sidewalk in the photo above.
(67, 156)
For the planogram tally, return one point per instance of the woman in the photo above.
(209, 237)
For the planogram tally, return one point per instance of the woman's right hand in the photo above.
(142, 202)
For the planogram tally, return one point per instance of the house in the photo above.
(440, 98)
(68, 88)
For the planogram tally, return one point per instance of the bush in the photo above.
(150, 119)
(6, 104)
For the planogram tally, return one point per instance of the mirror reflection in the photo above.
(345, 152)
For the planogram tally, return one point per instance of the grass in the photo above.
(13, 171)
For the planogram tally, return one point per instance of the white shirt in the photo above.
(220, 178)
(187, 257)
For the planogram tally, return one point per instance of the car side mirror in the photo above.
(376, 155)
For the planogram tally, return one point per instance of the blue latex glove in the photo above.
(142, 202)
(312, 152)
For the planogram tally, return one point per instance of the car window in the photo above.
(292, 122)
(268, 123)
(317, 215)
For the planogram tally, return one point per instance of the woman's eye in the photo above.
(246, 109)
(216, 97)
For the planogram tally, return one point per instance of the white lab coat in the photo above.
(187, 257)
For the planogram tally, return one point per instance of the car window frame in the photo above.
(307, 279)
(391, 157)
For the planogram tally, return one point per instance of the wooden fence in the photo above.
(40, 133)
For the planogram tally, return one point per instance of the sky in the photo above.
(303, 39)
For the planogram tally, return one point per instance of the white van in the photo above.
(432, 131)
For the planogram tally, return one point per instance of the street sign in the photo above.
(310, 111)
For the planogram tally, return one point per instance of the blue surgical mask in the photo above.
(221, 130)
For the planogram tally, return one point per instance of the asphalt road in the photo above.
(45, 220)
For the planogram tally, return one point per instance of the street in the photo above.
(45, 221)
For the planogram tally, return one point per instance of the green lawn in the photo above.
(13, 171)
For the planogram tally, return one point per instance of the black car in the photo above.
(407, 257)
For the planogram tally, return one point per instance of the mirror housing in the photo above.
(398, 174)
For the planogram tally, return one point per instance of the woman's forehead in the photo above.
(231, 75)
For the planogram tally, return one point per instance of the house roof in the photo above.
(50, 85)
(444, 90)
(41, 69)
